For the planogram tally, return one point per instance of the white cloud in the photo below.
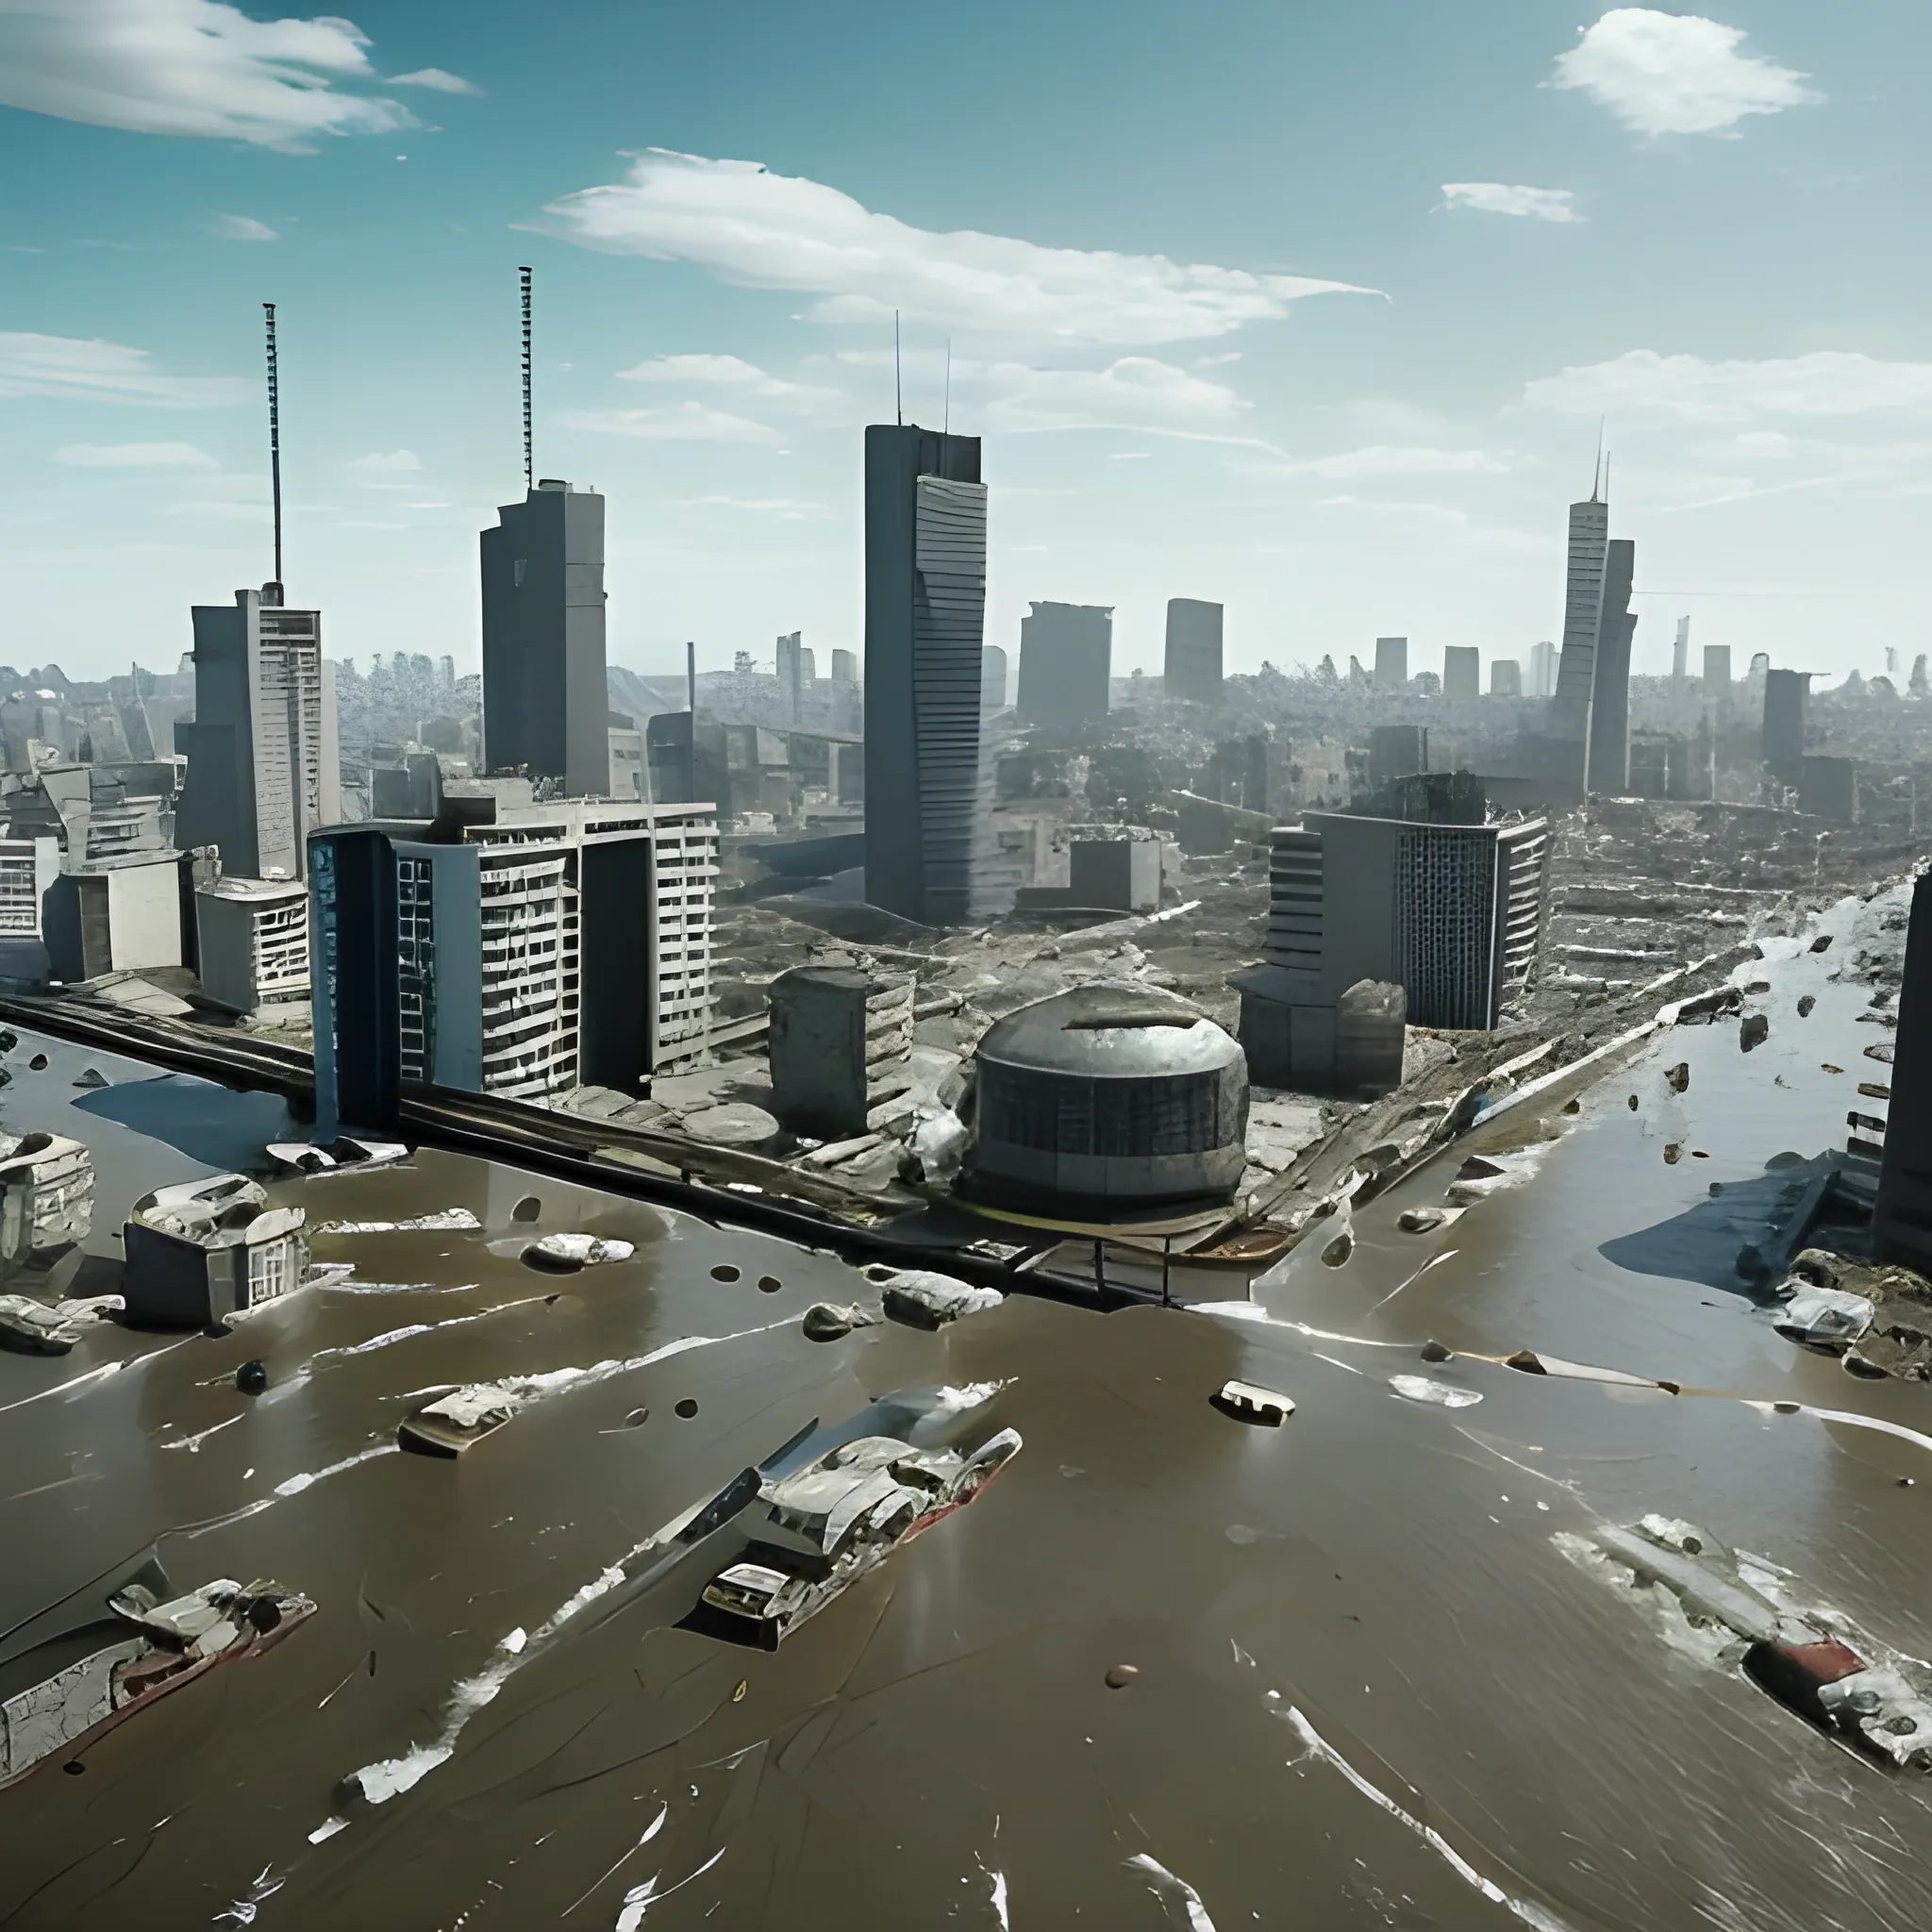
(1828, 382)
(1677, 72)
(792, 509)
(1417, 512)
(239, 227)
(135, 455)
(193, 67)
(1498, 198)
(680, 423)
(1379, 459)
(763, 230)
(1770, 445)
(37, 365)
(436, 80)
(1133, 392)
(386, 463)
(731, 371)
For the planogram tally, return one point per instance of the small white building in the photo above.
(27, 868)
(253, 937)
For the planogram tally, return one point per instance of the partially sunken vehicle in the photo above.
(1815, 1662)
(46, 1196)
(204, 1251)
(819, 1529)
(452, 1423)
(60, 1694)
(343, 1155)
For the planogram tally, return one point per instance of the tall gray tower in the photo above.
(1610, 699)
(264, 767)
(925, 633)
(544, 707)
(1583, 609)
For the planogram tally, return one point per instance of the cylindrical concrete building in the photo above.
(1106, 1097)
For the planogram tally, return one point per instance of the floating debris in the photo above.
(149, 1648)
(1120, 1675)
(829, 1321)
(343, 1154)
(1420, 1219)
(1811, 1661)
(1806, 1002)
(564, 1254)
(30, 1328)
(1678, 1078)
(1423, 1389)
(46, 1195)
(448, 1220)
(456, 1422)
(251, 1378)
(1248, 1402)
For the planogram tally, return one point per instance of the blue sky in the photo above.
(1311, 309)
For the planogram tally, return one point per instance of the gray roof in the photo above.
(1115, 1029)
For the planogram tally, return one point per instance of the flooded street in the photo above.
(1370, 1687)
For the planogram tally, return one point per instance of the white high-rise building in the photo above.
(1542, 670)
(1582, 606)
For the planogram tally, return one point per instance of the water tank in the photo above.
(1109, 1095)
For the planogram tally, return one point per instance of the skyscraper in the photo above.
(1785, 695)
(1392, 663)
(544, 707)
(1609, 704)
(1680, 652)
(1462, 671)
(1583, 609)
(992, 680)
(1506, 677)
(1192, 666)
(1542, 670)
(264, 767)
(1066, 661)
(798, 676)
(925, 792)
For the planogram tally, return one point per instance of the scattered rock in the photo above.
(1633, 1103)
(1673, 1152)
(91, 1077)
(1806, 1004)
(1120, 1675)
(736, 1124)
(1822, 942)
(1420, 1219)
(564, 1254)
(922, 1299)
(251, 1378)
(1528, 1360)
(1436, 1352)
(829, 1321)
(1678, 1078)
(1573, 1106)
(1338, 1250)
(1752, 1031)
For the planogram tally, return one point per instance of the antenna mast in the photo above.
(947, 420)
(529, 469)
(275, 436)
(898, 389)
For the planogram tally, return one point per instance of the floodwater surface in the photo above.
(1368, 1689)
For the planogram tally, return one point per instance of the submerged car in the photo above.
(343, 1155)
(452, 1423)
(108, 1669)
(825, 1525)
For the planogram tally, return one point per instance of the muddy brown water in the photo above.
(1370, 1691)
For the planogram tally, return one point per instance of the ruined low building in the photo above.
(252, 945)
(202, 1251)
(840, 1046)
(1353, 1048)
(1828, 789)
(46, 1195)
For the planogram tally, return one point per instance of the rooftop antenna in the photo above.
(529, 468)
(898, 387)
(1596, 475)
(275, 439)
(947, 420)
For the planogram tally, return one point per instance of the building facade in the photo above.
(1451, 913)
(1462, 671)
(536, 949)
(546, 708)
(1583, 609)
(1066, 662)
(1609, 702)
(264, 764)
(927, 792)
(1392, 663)
(252, 945)
(1192, 666)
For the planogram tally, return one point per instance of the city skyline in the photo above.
(1296, 357)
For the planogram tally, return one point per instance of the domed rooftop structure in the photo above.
(1107, 1095)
